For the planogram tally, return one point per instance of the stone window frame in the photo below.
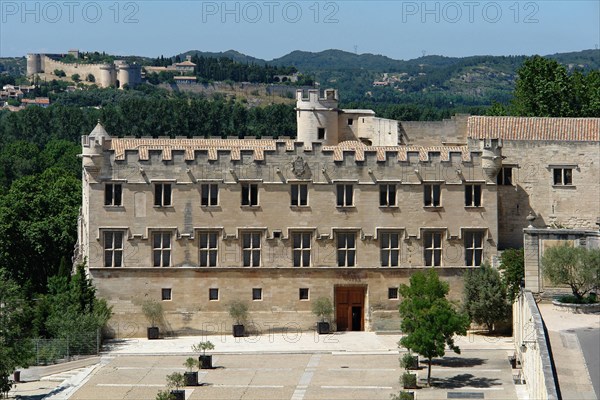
(564, 178)
(298, 188)
(166, 294)
(471, 247)
(160, 198)
(207, 188)
(301, 250)
(473, 194)
(384, 194)
(251, 249)
(380, 237)
(249, 200)
(210, 294)
(433, 249)
(208, 249)
(257, 294)
(429, 195)
(112, 249)
(504, 179)
(304, 294)
(393, 293)
(162, 248)
(347, 250)
(111, 199)
(343, 190)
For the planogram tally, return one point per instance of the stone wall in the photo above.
(575, 206)
(531, 348)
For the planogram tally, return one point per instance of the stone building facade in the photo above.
(198, 223)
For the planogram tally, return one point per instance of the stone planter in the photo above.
(577, 308)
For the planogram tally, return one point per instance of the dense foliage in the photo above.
(429, 320)
(485, 300)
(512, 265)
(576, 267)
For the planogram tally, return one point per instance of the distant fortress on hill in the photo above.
(117, 74)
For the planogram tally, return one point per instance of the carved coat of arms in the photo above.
(299, 166)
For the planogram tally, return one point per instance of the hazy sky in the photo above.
(271, 29)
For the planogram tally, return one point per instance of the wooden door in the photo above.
(349, 308)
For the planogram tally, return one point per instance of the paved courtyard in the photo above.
(307, 374)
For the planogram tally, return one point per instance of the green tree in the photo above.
(429, 320)
(14, 348)
(512, 265)
(75, 77)
(576, 267)
(91, 78)
(38, 225)
(485, 300)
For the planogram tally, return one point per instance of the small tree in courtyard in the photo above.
(576, 267)
(485, 300)
(429, 320)
(512, 264)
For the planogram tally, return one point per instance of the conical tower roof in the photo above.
(99, 131)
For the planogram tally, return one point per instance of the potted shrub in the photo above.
(409, 381)
(404, 395)
(163, 395)
(191, 376)
(204, 360)
(174, 382)
(323, 309)
(409, 361)
(152, 310)
(238, 310)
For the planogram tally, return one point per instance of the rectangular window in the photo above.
(213, 294)
(563, 176)
(346, 249)
(113, 249)
(162, 195)
(166, 294)
(472, 195)
(208, 245)
(431, 195)
(257, 294)
(321, 133)
(161, 249)
(393, 293)
(390, 249)
(209, 194)
(345, 195)
(433, 249)
(303, 294)
(113, 194)
(299, 195)
(249, 194)
(350, 121)
(301, 249)
(473, 248)
(387, 195)
(505, 176)
(251, 249)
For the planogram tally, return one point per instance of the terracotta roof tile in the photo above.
(259, 146)
(534, 128)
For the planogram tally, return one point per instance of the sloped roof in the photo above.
(534, 128)
(99, 131)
